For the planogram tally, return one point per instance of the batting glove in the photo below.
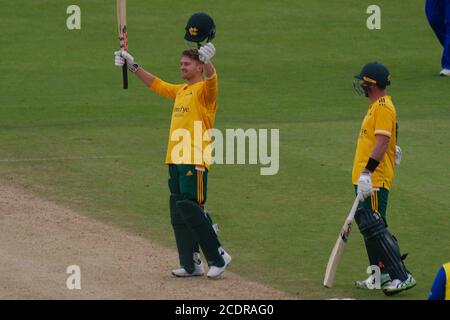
(364, 186)
(398, 155)
(122, 56)
(206, 53)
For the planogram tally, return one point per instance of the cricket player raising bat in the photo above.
(194, 101)
(373, 172)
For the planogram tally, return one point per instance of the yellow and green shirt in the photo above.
(381, 119)
(193, 115)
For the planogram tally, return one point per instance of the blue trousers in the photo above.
(438, 15)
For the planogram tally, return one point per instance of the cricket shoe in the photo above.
(369, 283)
(199, 269)
(396, 286)
(215, 272)
(445, 73)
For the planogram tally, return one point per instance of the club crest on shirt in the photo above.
(363, 132)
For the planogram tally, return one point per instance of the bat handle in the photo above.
(125, 75)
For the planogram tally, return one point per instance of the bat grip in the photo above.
(125, 75)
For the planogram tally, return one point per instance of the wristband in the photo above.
(372, 164)
(133, 68)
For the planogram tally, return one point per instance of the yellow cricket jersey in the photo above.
(193, 115)
(381, 118)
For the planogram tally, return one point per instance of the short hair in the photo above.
(191, 53)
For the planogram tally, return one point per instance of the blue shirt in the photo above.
(437, 291)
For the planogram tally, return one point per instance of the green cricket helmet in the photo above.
(199, 28)
(373, 73)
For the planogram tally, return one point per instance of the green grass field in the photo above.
(282, 64)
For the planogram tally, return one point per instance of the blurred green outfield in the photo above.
(282, 64)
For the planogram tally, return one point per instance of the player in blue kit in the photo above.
(438, 15)
(441, 285)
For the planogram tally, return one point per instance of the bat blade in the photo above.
(122, 30)
(338, 249)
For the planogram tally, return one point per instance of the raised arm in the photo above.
(145, 76)
(206, 53)
(209, 70)
(164, 89)
(211, 86)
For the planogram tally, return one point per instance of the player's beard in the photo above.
(189, 75)
(186, 75)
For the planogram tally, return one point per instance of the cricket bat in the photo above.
(122, 27)
(335, 257)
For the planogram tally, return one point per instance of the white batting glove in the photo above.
(121, 56)
(206, 52)
(364, 186)
(398, 155)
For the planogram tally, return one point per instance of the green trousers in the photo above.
(186, 180)
(191, 224)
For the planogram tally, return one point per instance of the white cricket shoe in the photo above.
(215, 272)
(199, 269)
(445, 73)
(396, 286)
